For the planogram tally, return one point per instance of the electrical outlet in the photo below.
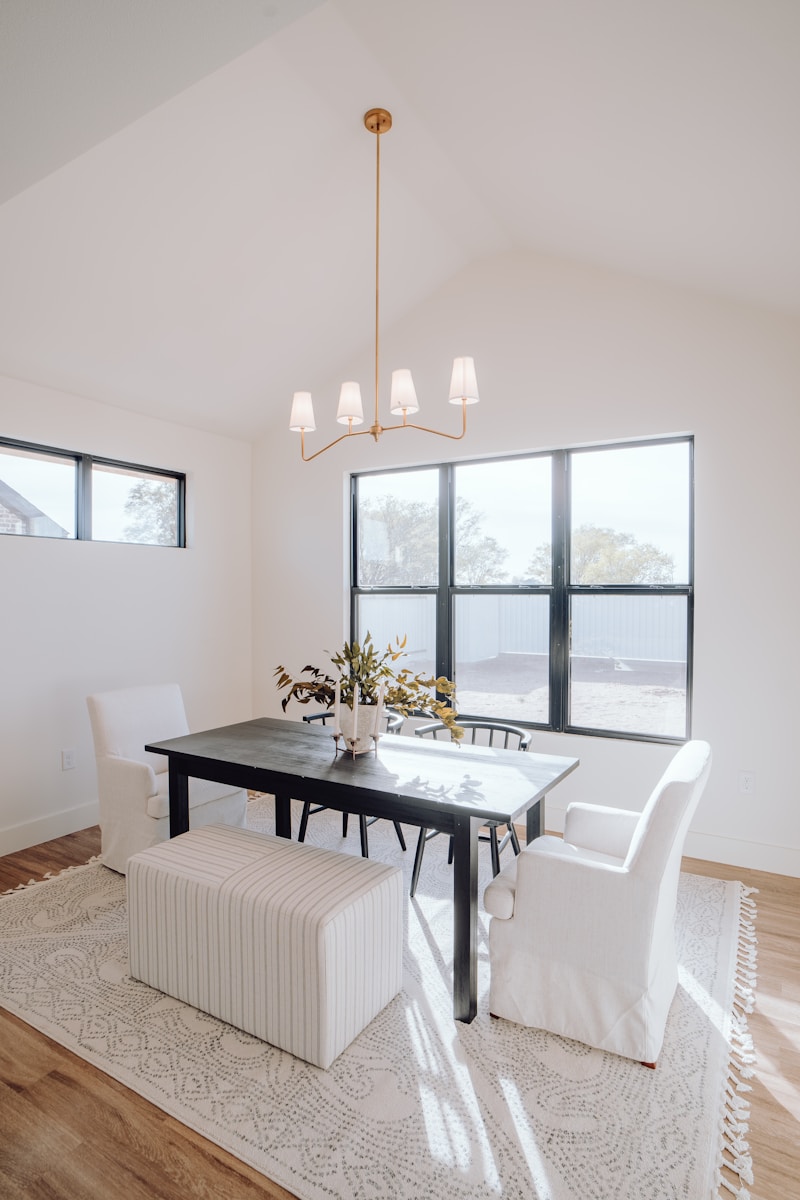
(67, 760)
(747, 783)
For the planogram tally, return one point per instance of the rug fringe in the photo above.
(735, 1155)
(51, 875)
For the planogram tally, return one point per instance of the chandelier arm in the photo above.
(335, 442)
(456, 437)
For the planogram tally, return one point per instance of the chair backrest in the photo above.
(481, 733)
(661, 830)
(393, 720)
(124, 721)
(656, 848)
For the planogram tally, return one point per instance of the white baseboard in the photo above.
(44, 829)
(758, 856)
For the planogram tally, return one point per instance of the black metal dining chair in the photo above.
(486, 733)
(394, 723)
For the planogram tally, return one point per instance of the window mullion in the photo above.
(354, 579)
(83, 498)
(559, 608)
(180, 515)
(444, 608)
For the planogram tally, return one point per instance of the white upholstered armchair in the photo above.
(133, 786)
(581, 941)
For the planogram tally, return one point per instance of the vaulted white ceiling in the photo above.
(187, 188)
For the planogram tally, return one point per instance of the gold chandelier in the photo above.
(403, 397)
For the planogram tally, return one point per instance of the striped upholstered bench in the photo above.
(299, 946)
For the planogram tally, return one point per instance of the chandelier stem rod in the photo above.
(377, 261)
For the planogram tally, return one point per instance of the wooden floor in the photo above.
(69, 1132)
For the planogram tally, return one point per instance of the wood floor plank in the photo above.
(103, 1132)
(138, 1144)
(35, 862)
(27, 1139)
(77, 1134)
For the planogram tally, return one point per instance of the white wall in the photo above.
(569, 355)
(78, 617)
(565, 355)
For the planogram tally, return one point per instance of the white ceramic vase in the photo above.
(364, 728)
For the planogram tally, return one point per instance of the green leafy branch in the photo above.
(407, 692)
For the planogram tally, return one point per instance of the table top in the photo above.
(421, 775)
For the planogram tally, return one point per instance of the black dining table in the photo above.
(436, 785)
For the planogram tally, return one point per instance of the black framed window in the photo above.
(48, 492)
(555, 589)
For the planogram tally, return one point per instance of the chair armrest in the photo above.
(605, 830)
(585, 911)
(126, 779)
(499, 898)
(499, 895)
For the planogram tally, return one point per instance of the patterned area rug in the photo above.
(419, 1105)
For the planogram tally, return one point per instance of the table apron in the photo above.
(341, 797)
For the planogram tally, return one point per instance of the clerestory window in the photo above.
(47, 492)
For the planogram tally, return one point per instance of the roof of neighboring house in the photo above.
(12, 500)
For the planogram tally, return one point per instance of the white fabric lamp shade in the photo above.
(403, 398)
(302, 417)
(350, 407)
(464, 382)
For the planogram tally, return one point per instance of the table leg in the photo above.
(465, 918)
(534, 820)
(178, 800)
(283, 816)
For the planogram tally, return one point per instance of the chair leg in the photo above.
(514, 838)
(301, 836)
(344, 824)
(495, 850)
(418, 861)
(399, 833)
(450, 852)
(362, 824)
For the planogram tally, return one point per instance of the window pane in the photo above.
(502, 657)
(503, 522)
(37, 493)
(630, 515)
(398, 529)
(132, 506)
(412, 617)
(628, 664)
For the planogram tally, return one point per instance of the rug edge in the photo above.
(733, 1147)
(50, 876)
